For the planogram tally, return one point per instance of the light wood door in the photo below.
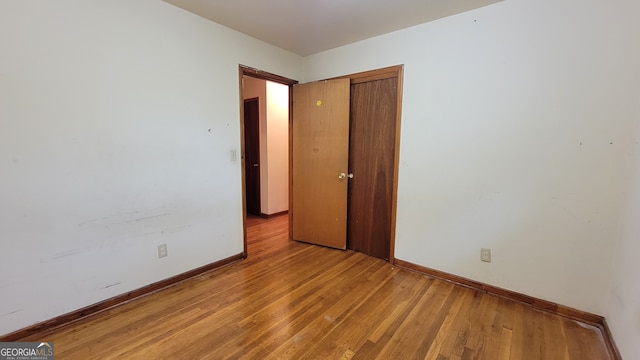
(320, 154)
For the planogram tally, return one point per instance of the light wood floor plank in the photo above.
(291, 300)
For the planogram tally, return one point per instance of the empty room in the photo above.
(287, 179)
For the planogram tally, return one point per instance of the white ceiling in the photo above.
(306, 27)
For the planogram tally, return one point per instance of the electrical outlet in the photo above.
(162, 251)
(234, 155)
(485, 255)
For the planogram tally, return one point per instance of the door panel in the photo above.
(371, 160)
(252, 155)
(320, 152)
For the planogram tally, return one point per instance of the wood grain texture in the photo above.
(395, 72)
(264, 75)
(371, 160)
(291, 300)
(608, 338)
(320, 153)
(269, 216)
(539, 304)
(373, 75)
(91, 310)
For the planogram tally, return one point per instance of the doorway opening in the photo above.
(264, 124)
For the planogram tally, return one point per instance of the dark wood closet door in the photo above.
(371, 160)
(252, 155)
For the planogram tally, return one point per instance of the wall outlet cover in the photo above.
(162, 251)
(485, 255)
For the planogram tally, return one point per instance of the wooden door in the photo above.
(320, 151)
(372, 162)
(252, 155)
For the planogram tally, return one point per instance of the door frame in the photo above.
(263, 75)
(377, 74)
(396, 71)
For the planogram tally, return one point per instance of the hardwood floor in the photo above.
(291, 300)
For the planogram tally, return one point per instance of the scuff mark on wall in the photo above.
(64, 254)
(111, 285)
(126, 216)
(568, 211)
(564, 208)
(135, 224)
(175, 229)
(147, 218)
(12, 312)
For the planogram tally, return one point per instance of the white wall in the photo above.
(277, 147)
(515, 137)
(623, 310)
(105, 111)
